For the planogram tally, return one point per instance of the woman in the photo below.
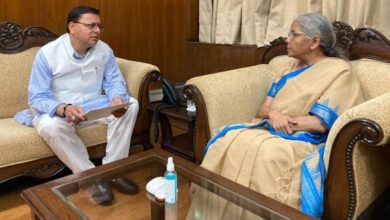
(293, 121)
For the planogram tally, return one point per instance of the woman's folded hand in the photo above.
(281, 122)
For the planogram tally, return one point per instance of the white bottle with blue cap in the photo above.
(170, 183)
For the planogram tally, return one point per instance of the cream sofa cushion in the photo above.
(373, 75)
(14, 78)
(20, 144)
(231, 96)
(130, 71)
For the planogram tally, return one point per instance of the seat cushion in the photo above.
(20, 144)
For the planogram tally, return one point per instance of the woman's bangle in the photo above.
(66, 106)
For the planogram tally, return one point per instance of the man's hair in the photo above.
(314, 24)
(75, 14)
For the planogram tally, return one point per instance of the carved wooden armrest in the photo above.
(353, 149)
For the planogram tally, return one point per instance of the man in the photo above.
(67, 80)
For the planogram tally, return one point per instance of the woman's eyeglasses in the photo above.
(91, 26)
(293, 34)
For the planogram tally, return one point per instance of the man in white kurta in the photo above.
(67, 80)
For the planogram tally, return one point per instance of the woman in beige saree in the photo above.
(293, 121)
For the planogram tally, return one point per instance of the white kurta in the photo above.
(79, 81)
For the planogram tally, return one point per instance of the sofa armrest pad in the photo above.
(233, 96)
(133, 72)
(355, 159)
(375, 110)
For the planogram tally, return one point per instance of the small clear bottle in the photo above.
(170, 183)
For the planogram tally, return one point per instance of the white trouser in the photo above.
(67, 145)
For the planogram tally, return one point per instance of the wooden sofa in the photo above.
(23, 152)
(358, 147)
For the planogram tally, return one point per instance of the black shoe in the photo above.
(101, 193)
(124, 185)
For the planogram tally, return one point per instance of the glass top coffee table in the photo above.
(201, 194)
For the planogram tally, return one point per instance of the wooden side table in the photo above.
(181, 144)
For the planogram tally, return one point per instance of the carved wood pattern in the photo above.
(371, 44)
(278, 41)
(10, 35)
(343, 33)
(46, 171)
(367, 34)
(13, 38)
(277, 47)
(356, 44)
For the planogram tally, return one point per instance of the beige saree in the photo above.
(270, 164)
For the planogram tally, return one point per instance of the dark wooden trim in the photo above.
(192, 28)
(206, 58)
(202, 129)
(277, 47)
(344, 33)
(14, 38)
(44, 168)
(371, 44)
(48, 205)
(340, 190)
(141, 133)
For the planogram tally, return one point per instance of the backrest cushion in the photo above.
(14, 78)
(281, 63)
(374, 77)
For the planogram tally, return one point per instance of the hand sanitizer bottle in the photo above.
(170, 183)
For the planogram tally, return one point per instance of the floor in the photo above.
(12, 206)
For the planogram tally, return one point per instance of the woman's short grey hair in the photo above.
(313, 24)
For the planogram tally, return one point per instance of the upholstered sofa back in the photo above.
(374, 77)
(14, 77)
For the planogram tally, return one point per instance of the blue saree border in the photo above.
(312, 198)
(315, 138)
(277, 86)
(326, 114)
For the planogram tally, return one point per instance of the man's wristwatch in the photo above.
(66, 106)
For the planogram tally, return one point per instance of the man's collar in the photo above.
(74, 52)
(78, 57)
